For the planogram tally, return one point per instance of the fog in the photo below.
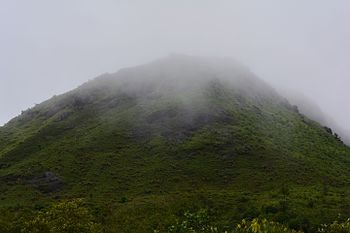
(49, 47)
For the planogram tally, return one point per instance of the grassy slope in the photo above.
(220, 149)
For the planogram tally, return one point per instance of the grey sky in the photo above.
(49, 47)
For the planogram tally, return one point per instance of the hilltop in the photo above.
(180, 133)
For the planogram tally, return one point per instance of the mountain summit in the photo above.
(178, 133)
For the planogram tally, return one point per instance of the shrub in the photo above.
(261, 226)
(335, 227)
(64, 217)
(193, 223)
(123, 200)
(200, 223)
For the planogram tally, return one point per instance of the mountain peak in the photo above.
(163, 131)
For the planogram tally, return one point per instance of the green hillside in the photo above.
(147, 143)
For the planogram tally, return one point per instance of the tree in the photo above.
(64, 217)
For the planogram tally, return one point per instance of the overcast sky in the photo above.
(49, 47)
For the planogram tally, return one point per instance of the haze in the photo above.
(49, 47)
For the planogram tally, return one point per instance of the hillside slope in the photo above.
(180, 133)
(310, 109)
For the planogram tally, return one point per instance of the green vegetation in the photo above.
(200, 223)
(73, 216)
(66, 216)
(336, 227)
(140, 154)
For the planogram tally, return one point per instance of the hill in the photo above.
(181, 133)
(310, 109)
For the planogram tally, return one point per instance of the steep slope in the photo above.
(179, 133)
(310, 109)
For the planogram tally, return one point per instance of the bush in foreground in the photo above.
(262, 226)
(200, 223)
(336, 227)
(74, 217)
(64, 217)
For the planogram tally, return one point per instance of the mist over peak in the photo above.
(312, 110)
(178, 73)
(292, 44)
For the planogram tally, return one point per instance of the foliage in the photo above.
(193, 223)
(261, 226)
(63, 217)
(335, 227)
(200, 222)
